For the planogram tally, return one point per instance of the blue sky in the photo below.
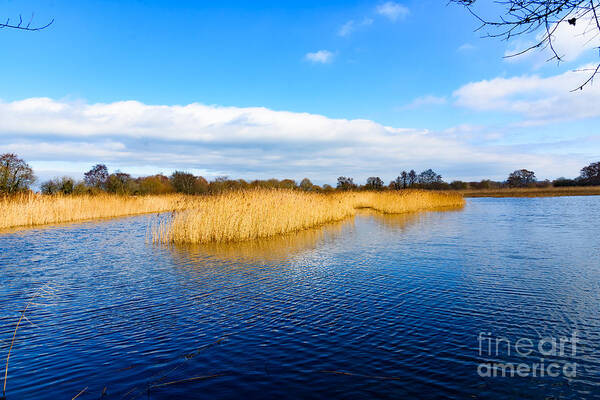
(282, 89)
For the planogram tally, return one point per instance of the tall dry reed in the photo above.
(37, 209)
(233, 216)
(404, 201)
(239, 216)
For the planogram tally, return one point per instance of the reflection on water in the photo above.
(403, 221)
(266, 250)
(374, 307)
(286, 247)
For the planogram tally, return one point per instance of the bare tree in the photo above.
(345, 183)
(396, 184)
(97, 176)
(374, 183)
(15, 174)
(184, 182)
(429, 177)
(404, 177)
(64, 185)
(590, 175)
(412, 178)
(521, 178)
(20, 25)
(306, 184)
(524, 17)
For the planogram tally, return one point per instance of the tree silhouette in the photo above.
(97, 176)
(429, 177)
(64, 185)
(15, 174)
(412, 177)
(590, 175)
(119, 183)
(183, 182)
(397, 183)
(521, 178)
(345, 183)
(374, 183)
(306, 184)
(404, 177)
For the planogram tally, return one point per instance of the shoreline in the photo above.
(533, 192)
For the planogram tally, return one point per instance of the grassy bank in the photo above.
(534, 192)
(245, 215)
(37, 209)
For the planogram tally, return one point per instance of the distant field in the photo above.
(534, 192)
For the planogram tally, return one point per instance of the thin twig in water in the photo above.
(196, 378)
(28, 320)
(14, 336)
(161, 375)
(80, 393)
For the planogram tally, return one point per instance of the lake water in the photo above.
(375, 307)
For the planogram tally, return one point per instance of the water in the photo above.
(375, 307)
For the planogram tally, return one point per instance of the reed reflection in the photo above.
(279, 249)
(402, 222)
(259, 251)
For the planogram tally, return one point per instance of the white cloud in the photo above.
(539, 100)
(570, 42)
(347, 28)
(428, 100)
(320, 57)
(245, 142)
(393, 11)
(466, 47)
(351, 26)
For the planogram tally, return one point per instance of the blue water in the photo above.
(373, 307)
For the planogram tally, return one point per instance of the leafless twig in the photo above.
(27, 27)
(523, 17)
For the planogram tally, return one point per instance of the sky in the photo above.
(262, 89)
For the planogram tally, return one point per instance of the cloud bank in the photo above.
(539, 100)
(245, 142)
(350, 26)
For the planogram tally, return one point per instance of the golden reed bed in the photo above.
(239, 216)
(37, 209)
(229, 217)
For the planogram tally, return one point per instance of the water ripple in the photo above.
(378, 306)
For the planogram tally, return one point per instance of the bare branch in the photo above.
(27, 27)
(523, 17)
(589, 80)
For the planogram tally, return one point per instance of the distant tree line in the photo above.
(427, 179)
(17, 176)
(98, 180)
